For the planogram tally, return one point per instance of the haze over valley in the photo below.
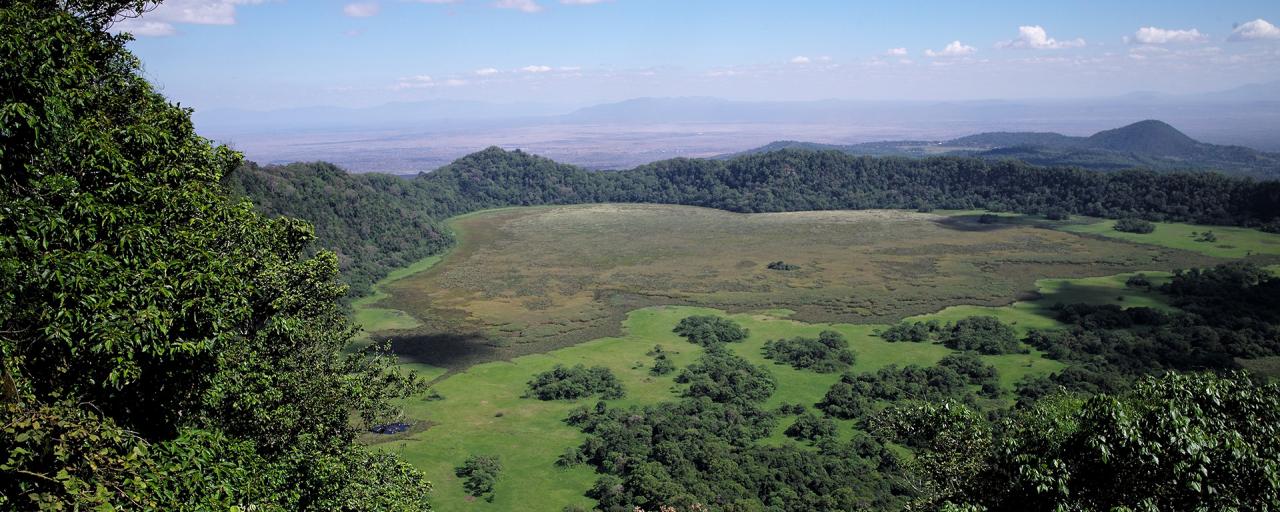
(406, 138)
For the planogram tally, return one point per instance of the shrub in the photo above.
(828, 353)
(707, 330)
(479, 473)
(726, 378)
(983, 334)
(971, 367)
(570, 383)
(1137, 281)
(782, 265)
(918, 332)
(1057, 214)
(1134, 225)
(809, 427)
(662, 365)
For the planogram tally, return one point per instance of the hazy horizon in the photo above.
(264, 55)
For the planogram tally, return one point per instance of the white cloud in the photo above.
(1154, 35)
(415, 82)
(955, 49)
(570, 68)
(519, 5)
(145, 28)
(1254, 30)
(455, 82)
(161, 21)
(799, 59)
(1035, 37)
(486, 71)
(896, 52)
(536, 69)
(361, 9)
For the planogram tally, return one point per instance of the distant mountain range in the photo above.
(410, 137)
(1146, 144)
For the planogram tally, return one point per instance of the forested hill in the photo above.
(1146, 144)
(378, 222)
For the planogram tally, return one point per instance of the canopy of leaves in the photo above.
(1176, 442)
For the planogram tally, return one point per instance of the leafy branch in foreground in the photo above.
(164, 346)
(1175, 442)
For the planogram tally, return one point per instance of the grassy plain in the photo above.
(1232, 242)
(529, 280)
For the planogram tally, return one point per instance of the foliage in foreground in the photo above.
(1176, 442)
(163, 346)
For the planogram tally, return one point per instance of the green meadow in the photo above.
(1232, 242)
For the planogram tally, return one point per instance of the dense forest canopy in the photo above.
(378, 222)
(165, 346)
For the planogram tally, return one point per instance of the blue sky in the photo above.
(263, 54)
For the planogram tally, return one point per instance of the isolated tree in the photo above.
(163, 346)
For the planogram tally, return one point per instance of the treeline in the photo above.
(378, 222)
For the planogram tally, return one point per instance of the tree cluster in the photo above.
(828, 353)
(479, 473)
(1134, 225)
(708, 330)
(857, 397)
(982, 334)
(703, 450)
(574, 382)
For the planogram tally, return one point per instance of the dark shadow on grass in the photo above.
(445, 350)
(973, 223)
